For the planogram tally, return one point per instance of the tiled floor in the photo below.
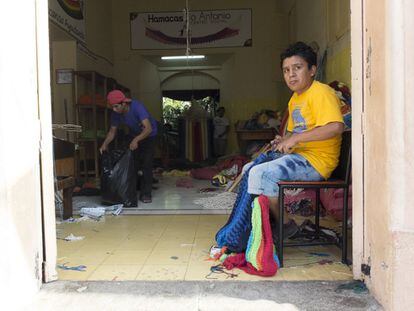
(171, 247)
(167, 199)
(140, 244)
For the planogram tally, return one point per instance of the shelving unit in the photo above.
(92, 113)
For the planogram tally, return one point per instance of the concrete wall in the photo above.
(20, 193)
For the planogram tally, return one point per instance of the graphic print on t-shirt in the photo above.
(298, 121)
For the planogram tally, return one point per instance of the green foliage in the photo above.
(173, 109)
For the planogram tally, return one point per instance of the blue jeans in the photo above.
(263, 178)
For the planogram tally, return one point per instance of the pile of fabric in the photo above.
(262, 120)
(222, 172)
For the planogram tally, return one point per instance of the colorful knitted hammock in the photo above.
(235, 233)
(260, 257)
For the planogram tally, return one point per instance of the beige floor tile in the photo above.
(175, 243)
(162, 272)
(210, 225)
(201, 272)
(200, 255)
(139, 244)
(305, 273)
(150, 233)
(204, 243)
(64, 250)
(98, 248)
(205, 233)
(120, 257)
(179, 232)
(213, 218)
(169, 257)
(89, 257)
(185, 218)
(76, 275)
(115, 273)
(339, 271)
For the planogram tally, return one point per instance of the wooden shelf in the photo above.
(93, 116)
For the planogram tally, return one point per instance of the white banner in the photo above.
(167, 30)
(69, 15)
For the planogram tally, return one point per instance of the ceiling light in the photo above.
(183, 57)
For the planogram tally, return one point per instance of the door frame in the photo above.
(46, 142)
(358, 128)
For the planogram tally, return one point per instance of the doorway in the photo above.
(180, 221)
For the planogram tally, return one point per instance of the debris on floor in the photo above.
(92, 212)
(98, 211)
(81, 289)
(357, 287)
(72, 238)
(80, 268)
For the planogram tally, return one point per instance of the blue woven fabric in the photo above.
(235, 233)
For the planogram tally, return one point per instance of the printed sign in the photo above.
(69, 15)
(168, 30)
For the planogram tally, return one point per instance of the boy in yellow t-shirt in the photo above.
(310, 150)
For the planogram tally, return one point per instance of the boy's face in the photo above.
(119, 108)
(220, 113)
(298, 76)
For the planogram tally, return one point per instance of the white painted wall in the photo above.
(20, 193)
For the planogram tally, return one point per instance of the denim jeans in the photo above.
(263, 178)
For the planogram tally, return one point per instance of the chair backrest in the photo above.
(343, 170)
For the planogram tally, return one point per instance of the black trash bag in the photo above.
(119, 178)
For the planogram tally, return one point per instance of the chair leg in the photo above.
(281, 210)
(317, 213)
(345, 228)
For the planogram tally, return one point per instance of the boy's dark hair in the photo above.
(221, 108)
(300, 49)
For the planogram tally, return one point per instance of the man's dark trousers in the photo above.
(144, 157)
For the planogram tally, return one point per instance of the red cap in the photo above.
(116, 97)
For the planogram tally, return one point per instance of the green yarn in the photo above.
(255, 235)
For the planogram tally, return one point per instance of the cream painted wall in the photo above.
(96, 54)
(250, 80)
(64, 57)
(198, 81)
(20, 192)
(388, 61)
(98, 28)
(326, 22)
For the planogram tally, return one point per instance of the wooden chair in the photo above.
(340, 179)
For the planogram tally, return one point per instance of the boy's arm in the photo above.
(146, 131)
(316, 134)
(109, 137)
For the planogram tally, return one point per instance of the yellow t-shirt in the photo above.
(317, 106)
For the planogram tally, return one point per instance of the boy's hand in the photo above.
(275, 142)
(133, 145)
(103, 148)
(287, 145)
